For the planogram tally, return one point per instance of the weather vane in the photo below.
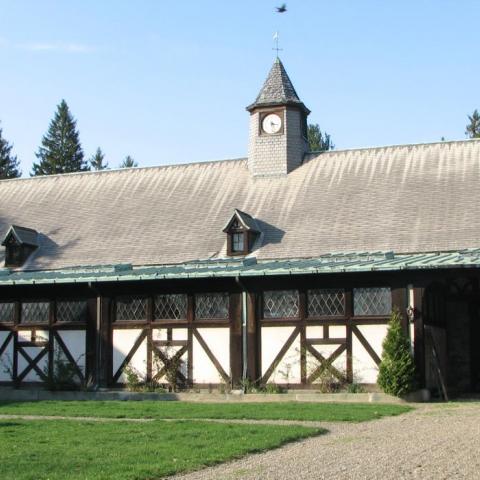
(276, 47)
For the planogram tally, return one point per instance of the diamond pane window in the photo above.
(326, 303)
(72, 311)
(280, 304)
(211, 305)
(7, 312)
(170, 307)
(372, 301)
(35, 312)
(131, 308)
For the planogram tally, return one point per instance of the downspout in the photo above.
(244, 329)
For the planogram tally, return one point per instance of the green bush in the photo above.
(397, 374)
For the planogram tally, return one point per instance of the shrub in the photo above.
(397, 374)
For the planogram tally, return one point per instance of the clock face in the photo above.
(272, 123)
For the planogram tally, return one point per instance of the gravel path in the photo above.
(433, 442)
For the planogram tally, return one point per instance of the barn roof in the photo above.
(406, 199)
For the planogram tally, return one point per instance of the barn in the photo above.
(282, 267)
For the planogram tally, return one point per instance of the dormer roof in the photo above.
(23, 236)
(277, 90)
(245, 220)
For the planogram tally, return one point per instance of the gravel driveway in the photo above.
(433, 442)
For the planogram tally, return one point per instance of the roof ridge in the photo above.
(397, 145)
(114, 170)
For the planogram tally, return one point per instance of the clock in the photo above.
(272, 123)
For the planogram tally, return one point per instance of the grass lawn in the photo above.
(65, 449)
(332, 412)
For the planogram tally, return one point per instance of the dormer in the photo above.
(19, 243)
(242, 230)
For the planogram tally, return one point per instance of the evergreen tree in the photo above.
(317, 140)
(128, 162)
(97, 160)
(473, 128)
(61, 151)
(9, 165)
(396, 374)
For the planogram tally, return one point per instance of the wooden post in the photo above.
(252, 339)
(302, 311)
(399, 300)
(419, 341)
(236, 359)
(348, 315)
(103, 342)
(190, 316)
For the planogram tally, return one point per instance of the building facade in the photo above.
(282, 268)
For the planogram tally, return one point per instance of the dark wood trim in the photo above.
(32, 364)
(419, 333)
(211, 356)
(326, 341)
(190, 317)
(366, 345)
(252, 338)
(326, 363)
(167, 361)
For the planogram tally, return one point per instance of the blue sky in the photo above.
(168, 82)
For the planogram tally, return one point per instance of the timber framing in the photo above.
(100, 324)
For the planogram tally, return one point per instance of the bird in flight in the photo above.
(282, 8)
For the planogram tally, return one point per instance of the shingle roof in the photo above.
(406, 199)
(277, 89)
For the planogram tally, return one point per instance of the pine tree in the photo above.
(317, 140)
(61, 151)
(473, 128)
(128, 162)
(396, 374)
(97, 160)
(9, 165)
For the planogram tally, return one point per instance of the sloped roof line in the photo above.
(23, 235)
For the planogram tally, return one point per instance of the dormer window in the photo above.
(242, 230)
(19, 243)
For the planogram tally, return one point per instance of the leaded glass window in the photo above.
(35, 312)
(170, 307)
(326, 302)
(372, 301)
(280, 304)
(131, 308)
(7, 312)
(211, 305)
(72, 311)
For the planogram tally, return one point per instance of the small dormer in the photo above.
(19, 243)
(242, 230)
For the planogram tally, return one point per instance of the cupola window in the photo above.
(242, 230)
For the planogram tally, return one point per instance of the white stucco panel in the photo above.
(123, 341)
(314, 331)
(75, 341)
(365, 369)
(218, 341)
(6, 359)
(337, 331)
(288, 370)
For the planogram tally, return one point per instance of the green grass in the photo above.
(332, 412)
(66, 449)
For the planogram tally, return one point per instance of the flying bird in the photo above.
(282, 8)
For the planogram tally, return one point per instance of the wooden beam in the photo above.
(167, 361)
(5, 343)
(326, 363)
(32, 364)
